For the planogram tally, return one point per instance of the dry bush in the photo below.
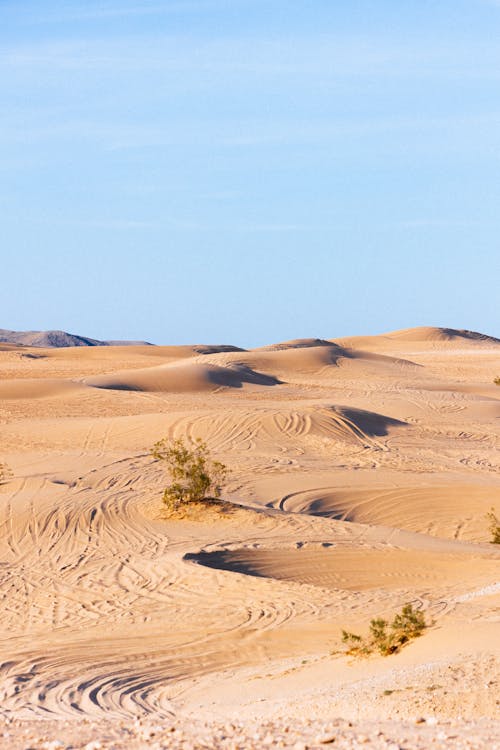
(387, 638)
(494, 526)
(195, 476)
(497, 381)
(5, 473)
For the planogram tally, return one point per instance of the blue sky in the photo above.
(247, 171)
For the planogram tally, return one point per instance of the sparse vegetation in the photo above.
(497, 381)
(5, 473)
(195, 476)
(494, 526)
(387, 638)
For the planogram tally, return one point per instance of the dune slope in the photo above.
(361, 476)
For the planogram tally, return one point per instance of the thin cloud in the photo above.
(442, 224)
(30, 127)
(120, 224)
(120, 10)
(329, 58)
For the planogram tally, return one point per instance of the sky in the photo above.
(249, 171)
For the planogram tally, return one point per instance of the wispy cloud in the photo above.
(32, 127)
(273, 228)
(97, 223)
(327, 57)
(443, 224)
(176, 224)
(119, 224)
(113, 10)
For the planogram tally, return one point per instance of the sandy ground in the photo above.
(361, 473)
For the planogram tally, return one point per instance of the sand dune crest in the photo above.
(182, 378)
(362, 481)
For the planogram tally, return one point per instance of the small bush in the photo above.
(497, 381)
(494, 527)
(387, 638)
(5, 473)
(195, 476)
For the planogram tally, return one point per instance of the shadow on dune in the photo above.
(216, 348)
(294, 344)
(184, 377)
(335, 567)
(369, 422)
(235, 376)
(224, 560)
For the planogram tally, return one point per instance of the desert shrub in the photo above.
(195, 476)
(494, 527)
(387, 638)
(5, 473)
(497, 381)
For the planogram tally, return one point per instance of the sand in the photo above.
(361, 473)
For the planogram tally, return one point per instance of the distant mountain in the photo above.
(57, 339)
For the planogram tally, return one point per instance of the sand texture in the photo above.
(361, 472)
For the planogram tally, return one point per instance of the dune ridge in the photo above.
(361, 475)
(180, 378)
(429, 333)
(425, 337)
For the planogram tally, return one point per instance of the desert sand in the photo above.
(361, 472)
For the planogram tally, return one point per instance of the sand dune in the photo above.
(122, 353)
(424, 336)
(181, 378)
(428, 333)
(283, 429)
(37, 388)
(454, 511)
(325, 360)
(330, 567)
(293, 344)
(359, 482)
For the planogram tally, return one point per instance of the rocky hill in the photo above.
(57, 339)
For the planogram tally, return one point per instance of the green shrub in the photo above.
(195, 476)
(494, 527)
(387, 638)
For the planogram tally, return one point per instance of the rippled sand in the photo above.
(361, 473)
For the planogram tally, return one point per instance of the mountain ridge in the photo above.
(58, 339)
